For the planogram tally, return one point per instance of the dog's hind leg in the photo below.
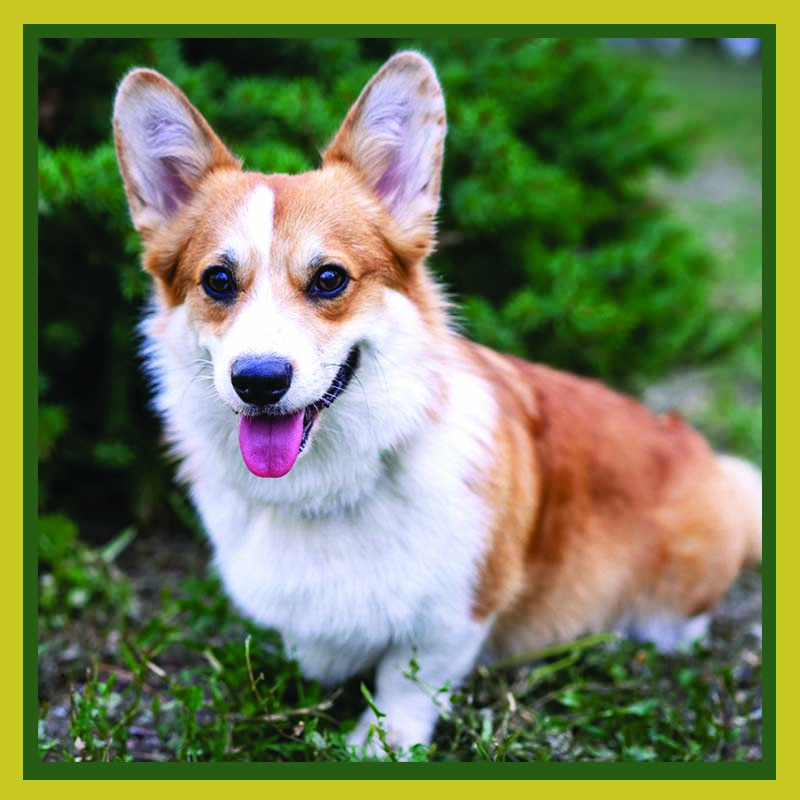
(669, 632)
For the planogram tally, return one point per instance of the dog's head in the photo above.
(284, 280)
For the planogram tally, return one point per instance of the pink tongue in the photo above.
(270, 444)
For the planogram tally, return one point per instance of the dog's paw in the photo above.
(365, 741)
(383, 741)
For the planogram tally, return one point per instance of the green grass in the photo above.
(180, 676)
(142, 658)
(723, 98)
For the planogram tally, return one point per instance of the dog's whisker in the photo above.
(378, 357)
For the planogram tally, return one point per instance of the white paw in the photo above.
(385, 740)
(365, 739)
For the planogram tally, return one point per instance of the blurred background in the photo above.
(601, 213)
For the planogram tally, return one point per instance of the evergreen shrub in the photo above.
(550, 241)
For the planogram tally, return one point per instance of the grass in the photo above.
(177, 675)
(143, 659)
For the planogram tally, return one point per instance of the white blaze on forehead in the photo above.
(252, 234)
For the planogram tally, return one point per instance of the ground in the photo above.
(169, 678)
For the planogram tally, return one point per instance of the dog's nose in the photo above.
(261, 381)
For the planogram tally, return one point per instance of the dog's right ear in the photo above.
(394, 138)
(164, 147)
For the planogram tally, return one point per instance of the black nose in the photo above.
(261, 381)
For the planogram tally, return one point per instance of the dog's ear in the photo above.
(164, 147)
(394, 137)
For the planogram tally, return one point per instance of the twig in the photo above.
(317, 711)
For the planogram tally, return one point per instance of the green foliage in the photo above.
(618, 701)
(558, 250)
(192, 681)
(74, 577)
(549, 237)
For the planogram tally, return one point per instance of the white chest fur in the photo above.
(344, 587)
(375, 537)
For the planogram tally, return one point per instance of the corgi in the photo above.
(376, 487)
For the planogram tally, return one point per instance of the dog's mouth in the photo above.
(270, 442)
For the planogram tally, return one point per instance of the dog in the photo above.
(376, 487)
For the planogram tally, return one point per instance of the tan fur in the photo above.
(601, 508)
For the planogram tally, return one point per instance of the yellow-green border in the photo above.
(325, 771)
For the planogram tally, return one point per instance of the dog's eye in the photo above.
(329, 281)
(218, 283)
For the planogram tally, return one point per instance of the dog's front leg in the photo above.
(413, 684)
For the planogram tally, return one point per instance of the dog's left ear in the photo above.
(164, 147)
(394, 137)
